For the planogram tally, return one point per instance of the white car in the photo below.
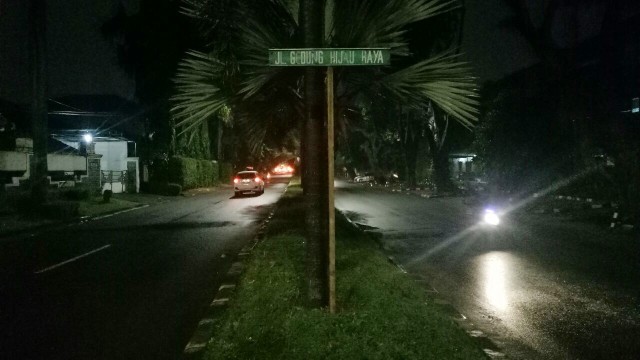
(248, 182)
(367, 177)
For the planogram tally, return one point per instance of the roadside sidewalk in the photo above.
(14, 224)
(421, 191)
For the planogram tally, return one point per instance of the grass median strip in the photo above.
(382, 313)
(95, 206)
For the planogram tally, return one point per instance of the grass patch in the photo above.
(382, 313)
(95, 206)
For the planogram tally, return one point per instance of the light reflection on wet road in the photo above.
(492, 267)
(541, 287)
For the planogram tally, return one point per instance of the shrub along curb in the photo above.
(382, 313)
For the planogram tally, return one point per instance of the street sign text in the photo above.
(329, 57)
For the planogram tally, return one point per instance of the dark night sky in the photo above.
(81, 61)
(492, 50)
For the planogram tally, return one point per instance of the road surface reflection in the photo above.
(494, 274)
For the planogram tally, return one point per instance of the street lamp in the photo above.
(88, 138)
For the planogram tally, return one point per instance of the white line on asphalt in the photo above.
(72, 260)
(120, 212)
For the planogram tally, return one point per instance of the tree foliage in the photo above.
(516, 119)
(268, 98)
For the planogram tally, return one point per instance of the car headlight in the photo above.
(491, 218)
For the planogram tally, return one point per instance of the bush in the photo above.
(191, 173)
(76, 193)
(157, 187)
(173, 189)
(183, 171)
(106, 196)
(225, 172)
(20, 200)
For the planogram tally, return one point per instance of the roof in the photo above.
(54, 146)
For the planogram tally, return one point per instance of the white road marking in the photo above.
(72, 260)
(120, 212)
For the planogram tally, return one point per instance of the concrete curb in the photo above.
(194, 349)
(588, 204)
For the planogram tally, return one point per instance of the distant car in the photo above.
(283, 169)
(248, 182)
(367, 177)
(471, 182)
(281, 173)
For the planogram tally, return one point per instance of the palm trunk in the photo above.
(440, 159)
(315, 161)
(410, 130)
(411, 159)
(38, 56)
(219, 140)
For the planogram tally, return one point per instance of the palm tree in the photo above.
(267, 94)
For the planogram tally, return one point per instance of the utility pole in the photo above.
(39, 120)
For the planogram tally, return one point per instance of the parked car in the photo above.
(367, 177)
(471, 182)
(248, 182)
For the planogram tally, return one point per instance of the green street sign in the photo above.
(329, 57)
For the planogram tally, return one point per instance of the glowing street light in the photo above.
(87, 138)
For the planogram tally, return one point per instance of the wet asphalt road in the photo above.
(129, 286)
(541, 287)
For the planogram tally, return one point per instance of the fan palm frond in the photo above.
(274, 26)
(198, 96)
(364, 23)
(442, 79)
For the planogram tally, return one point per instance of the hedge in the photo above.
(192, 173)
(226, 172)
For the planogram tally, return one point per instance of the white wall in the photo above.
(13, 161)
(66, 162)
(114, 155)
(19, 161)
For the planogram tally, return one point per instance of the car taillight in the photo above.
(236, 180)
(257, 179)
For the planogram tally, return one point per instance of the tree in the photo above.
(39, 119)
(519, 115)
(558, 56)
(267, 95)
(588, 110)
